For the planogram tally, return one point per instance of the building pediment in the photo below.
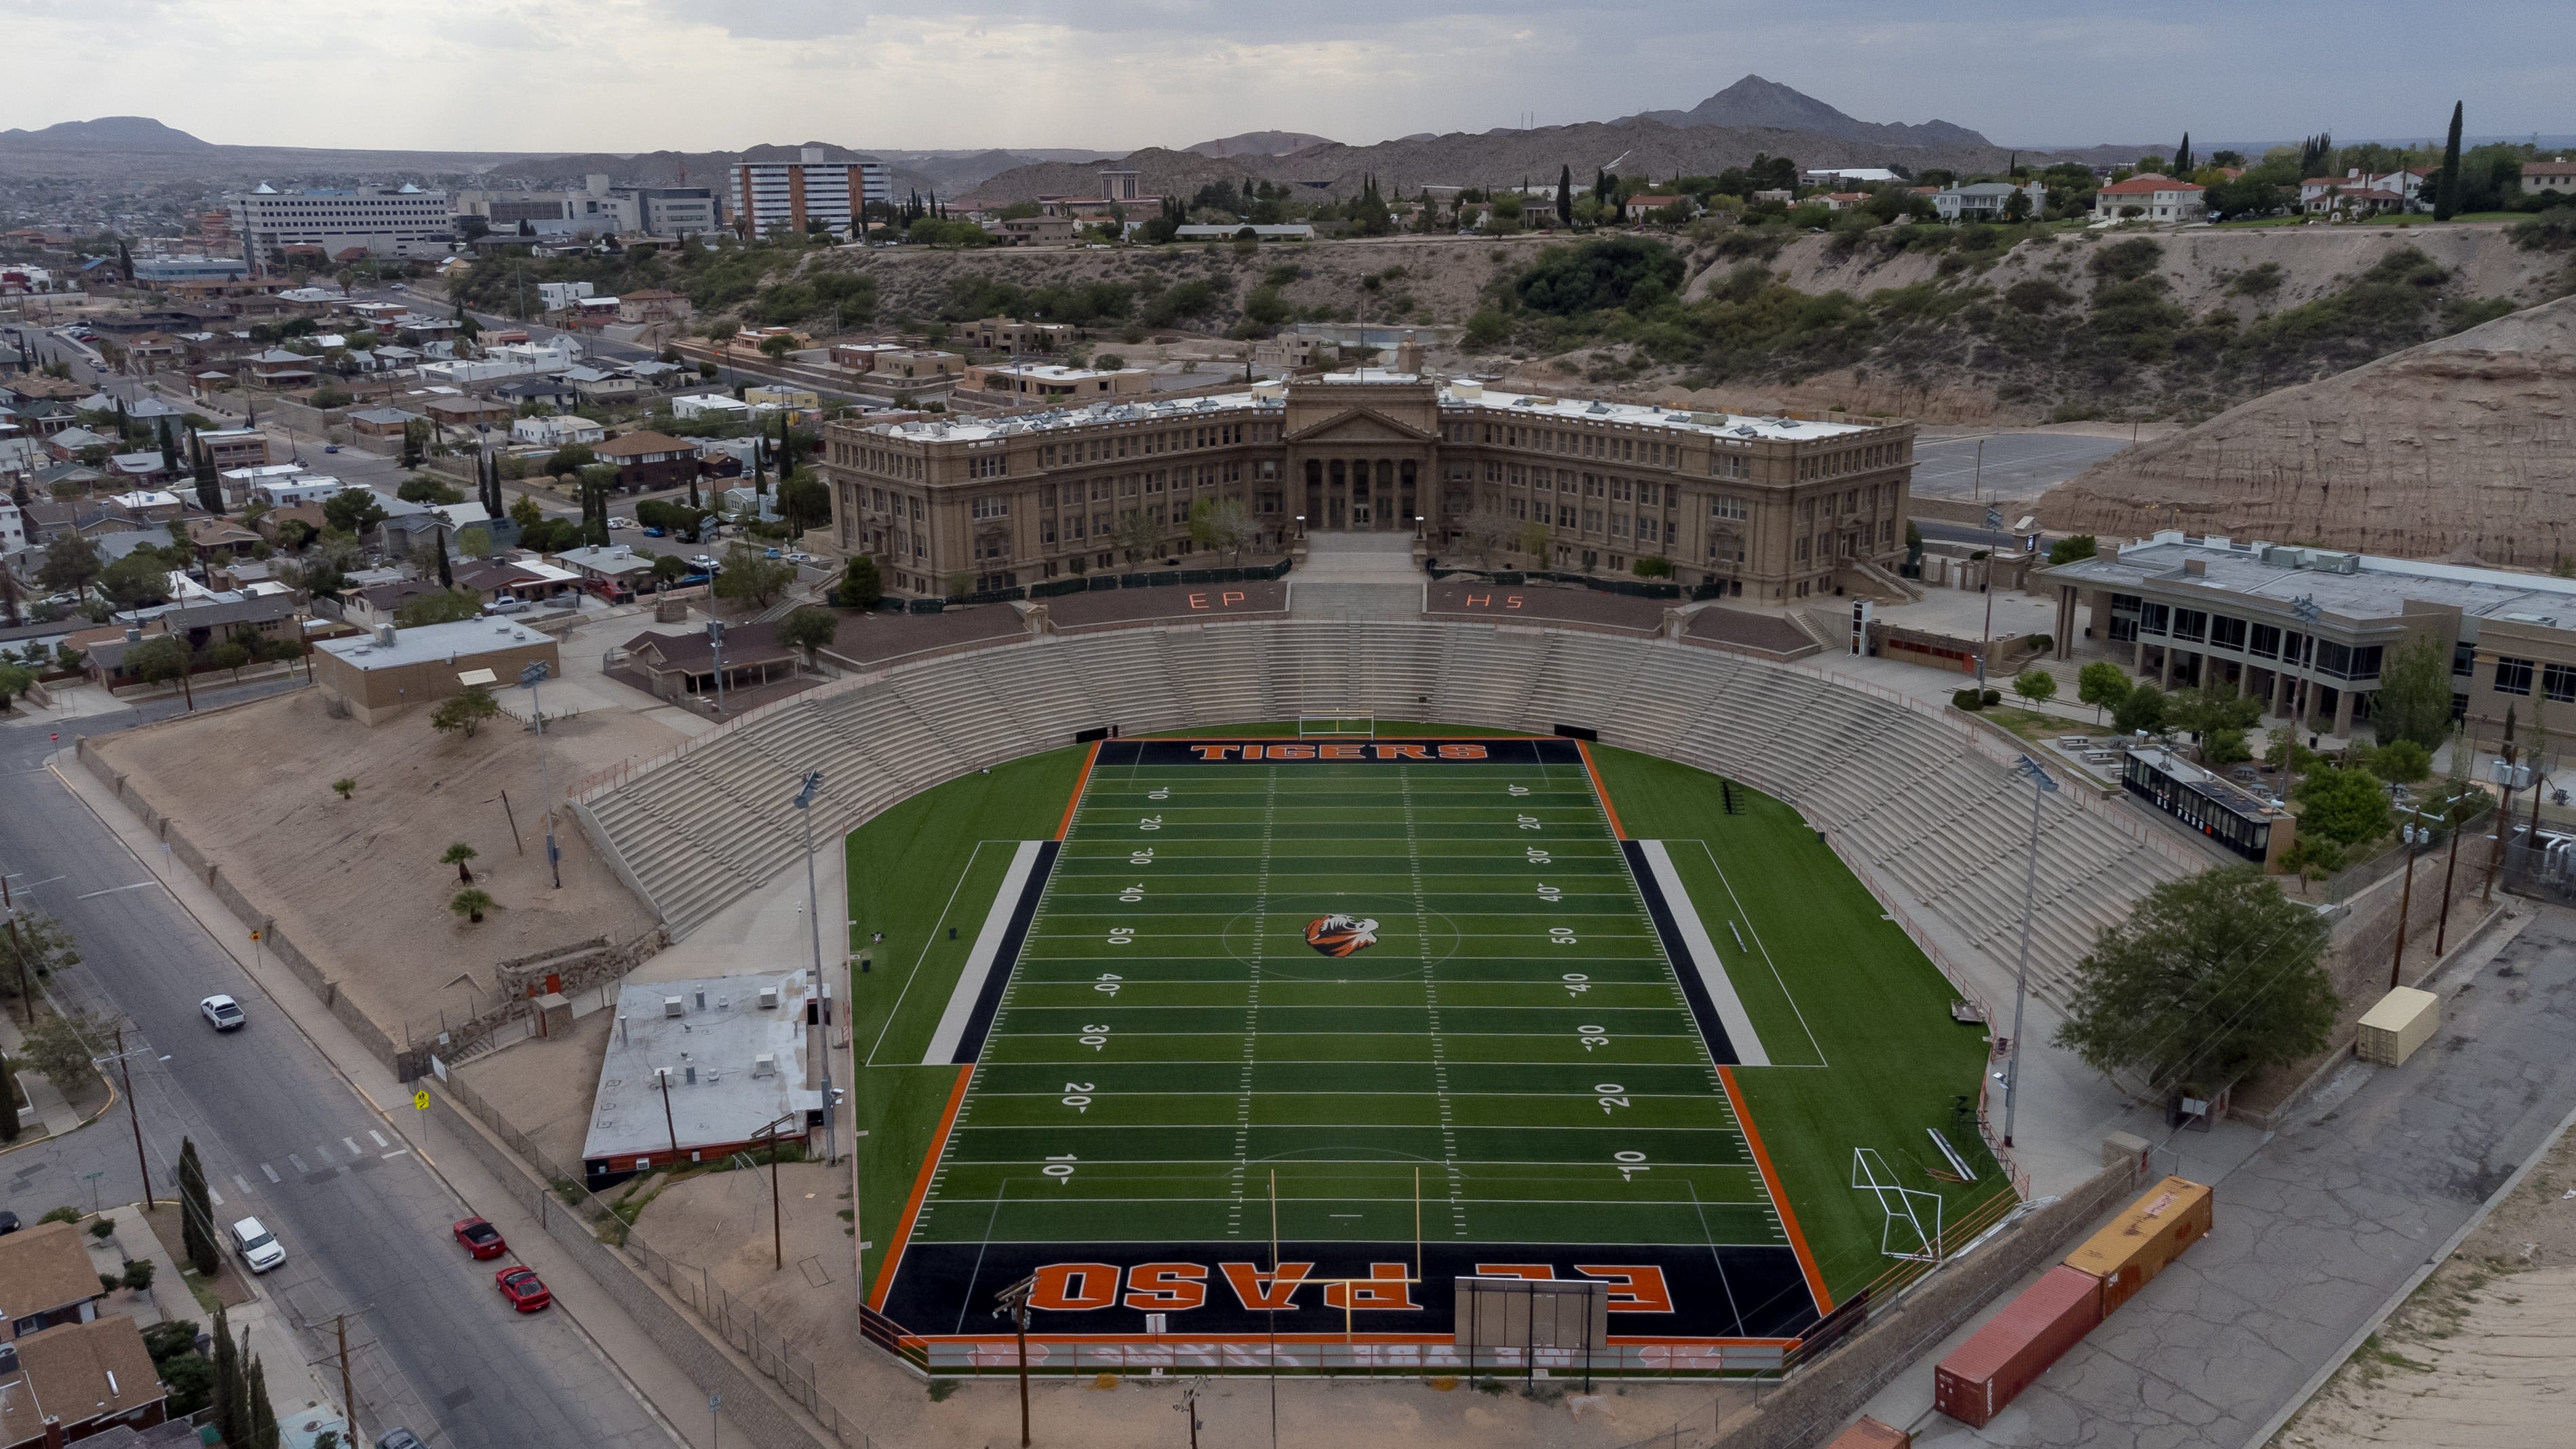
(1358, 425)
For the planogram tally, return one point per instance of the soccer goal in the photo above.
(1902, 1235)
(1362, 725)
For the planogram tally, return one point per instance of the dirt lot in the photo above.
(357, 882)
(2477, 1357)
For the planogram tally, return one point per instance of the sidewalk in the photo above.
(55, 1115)
(297, 1390)
(654, 1378)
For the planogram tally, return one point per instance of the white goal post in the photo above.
(1363, 725)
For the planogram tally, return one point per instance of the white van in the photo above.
(258, 1247)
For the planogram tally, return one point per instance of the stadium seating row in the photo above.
(1905, 794)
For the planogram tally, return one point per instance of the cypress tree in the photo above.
(196, 1213)
(210, 490)
(169, 448)
(8, 1109)
(1565, 195)
(231, 1395)
(2182, 157)
(2446, 197)
(262, 1416)
(446, 574)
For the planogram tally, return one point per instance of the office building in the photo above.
(404, 222)
(767, 195)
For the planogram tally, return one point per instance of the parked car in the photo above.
(259, 1248)
(525, 1290)
(507, 605)
(769, 553)
(656, 533)
(798, 555)
(223, 1011)
(706, 561)
(399, 1438)
(479, 1238)
(330, 447)
(8, 1222)
(621, 523)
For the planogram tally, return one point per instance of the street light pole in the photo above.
(2042, 786)
(804, 803)
(1985, 640)
(532, 676)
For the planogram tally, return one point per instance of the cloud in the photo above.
(630, 75)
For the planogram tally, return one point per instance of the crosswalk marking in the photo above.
(294, 1161)
(380, 1138)
(271, 1171)
(351, 1143)
(244, 1185)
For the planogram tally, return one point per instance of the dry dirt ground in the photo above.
(2478, 1357)
(357, 883)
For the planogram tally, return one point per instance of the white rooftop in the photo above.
(718, 1033)
(2344, 585)
(432, 643)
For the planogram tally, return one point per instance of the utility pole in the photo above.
(125, 1065)
(532, 676)
(804, 803)
(17, 949)
(663, 1076)
(348, 1398)
(2450, 867)
(1015, 1307)
(2405, 897)
(1994, 521)
(2504, 823)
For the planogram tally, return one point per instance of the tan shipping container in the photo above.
(2403, 1020)
(2147, 1235)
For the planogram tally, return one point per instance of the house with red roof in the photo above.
(2359, 193)
(2151, 197)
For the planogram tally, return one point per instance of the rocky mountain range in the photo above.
(1769, 105)
(1258, 143)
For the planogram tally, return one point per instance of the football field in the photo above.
(1290, 1034)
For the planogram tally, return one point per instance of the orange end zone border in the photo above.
(1080, 781)
(1617, 830)
(1779, 1198)
(920, 1189)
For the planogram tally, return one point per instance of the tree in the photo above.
(470, 903)
(748, 577)
(2403, 761)
(162, 658)
(459, 855)
(804, 501)
(230, 655)
(475, 541)
(862, 585)
(344, 787)
(36, 949)
(809, 629)
(8, 1102)
(196, 1213)
(465, 711)
(71, 562)
(2071, 548)
(569, 459)
(1138, 534)
(354, 511)
(2414, 699)
(424, 489)
(232, 1391)
(15, 680)
(2347, 806)
(446, 606)
(1565, 196)
(2142, 708)
(415, 441)
(2210, 979)
(525, 512)
(2036, 685)
(61, 1046)
(263, 1414)
(2182, 166)
(2446, 188)
(1220, 525)
(669, 568)
(210, 488)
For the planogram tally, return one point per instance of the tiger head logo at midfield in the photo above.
(1339, 935)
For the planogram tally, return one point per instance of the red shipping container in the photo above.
(1990, 1370)
(1871, 1434)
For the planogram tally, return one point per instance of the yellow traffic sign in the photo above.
(420, 1099)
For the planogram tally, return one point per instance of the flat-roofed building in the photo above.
(1776, 509)
(2310, 631)
(379, 675)
(1023, 383)
(403, 221)
(768, 195)
(696, 1068)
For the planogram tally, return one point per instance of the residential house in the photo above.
(2147, 198)
(652, 304)
(520, 578)
(602, 385)
(45, 1280)
(277, 367)
(235, 447)
(1642, 207)
(997, 334)
(778, 395)
(1991, 200)
(77, 1382)
(382, 422)
(467, 412)
(377, 604)
(285, 485)
(615, 572)
(147, 505)
(560, 430)
(1292, 231)
(710, 405)
(216, 539)
(272, 524)
(917, 364)
(2362, 193)
(1021, 231)
(2557, 174)
(676, 666)
(267, 616)
(552, 390)
(136, 469)
(649, 460)
(862, 356)
(1026, 382)
(78, 444)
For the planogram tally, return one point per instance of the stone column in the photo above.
(2164, 676)
(2343, 712)
(2277, 678)
(2065, 621)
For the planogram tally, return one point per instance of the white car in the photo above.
(798, 555)
(258, 1246)
(223, 1011)
(507, 605)
(621, 523)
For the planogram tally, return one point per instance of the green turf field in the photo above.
(1515, 1039)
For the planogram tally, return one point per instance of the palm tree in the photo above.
(457, 855)
(470, 903)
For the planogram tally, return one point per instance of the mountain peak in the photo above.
(108, 133)
(1757, 102)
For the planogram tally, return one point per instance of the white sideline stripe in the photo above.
(979, 962)
(1704, 958)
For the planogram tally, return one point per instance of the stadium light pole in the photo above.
(1985, 641)
(532, 676)
(2042, 786)
(804, 803)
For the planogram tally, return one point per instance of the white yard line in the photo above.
(896, 1012)
(1704, 958)
(979, 961)
(1758, 945)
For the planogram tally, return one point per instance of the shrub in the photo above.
(1967, 699)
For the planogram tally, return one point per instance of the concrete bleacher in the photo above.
(1908, 797)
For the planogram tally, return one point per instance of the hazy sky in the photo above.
(634, 75)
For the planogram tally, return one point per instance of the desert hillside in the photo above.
(2465, 445)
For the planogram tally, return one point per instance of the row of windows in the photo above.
(2262, 641)
(1121, 445)
(1847, 460)
(2557, 681)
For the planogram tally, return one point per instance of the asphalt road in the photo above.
(285, 1138)
(2018, 466)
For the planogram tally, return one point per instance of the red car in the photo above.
(480, 1239)
(525, 1290)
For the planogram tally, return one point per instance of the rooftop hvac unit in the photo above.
(385, 635)
(764, 1065)
(2283, 556)
(671, 1006)
(2327, 561)
(769, 998)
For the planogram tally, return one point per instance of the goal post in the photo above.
(1361, 725)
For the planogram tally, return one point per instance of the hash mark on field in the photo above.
(1431, 998)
